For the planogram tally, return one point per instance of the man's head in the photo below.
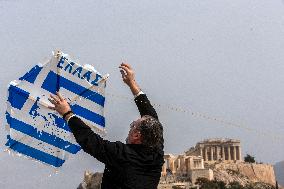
(146, 130)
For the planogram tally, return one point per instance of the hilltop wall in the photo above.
(252, 171)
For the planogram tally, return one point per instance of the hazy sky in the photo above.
(221, 58)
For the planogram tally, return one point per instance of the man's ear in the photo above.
(137, 136)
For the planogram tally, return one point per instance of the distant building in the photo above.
(186, 166)
(181, 164)
(212, 150)
(191, 163)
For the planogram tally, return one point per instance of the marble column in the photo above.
(201, 151)
(172, 165)
(191, 163)
(202, 164)
(235, 153)
(229, 152)
(205, 154)
(183, 165)
(223, 153)
(177, 165)
(211, 154)
(240, 154)
(164, 169)
(217, 153)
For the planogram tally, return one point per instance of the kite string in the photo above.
(224, 122)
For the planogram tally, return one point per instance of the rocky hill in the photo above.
(245, 173)
(257, 176)
(248, 175)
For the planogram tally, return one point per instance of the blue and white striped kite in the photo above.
(40, 133)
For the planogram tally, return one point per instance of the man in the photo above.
(134, 165)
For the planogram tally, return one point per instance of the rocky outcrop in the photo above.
(91, 180)
(259, 176)
(245, 173)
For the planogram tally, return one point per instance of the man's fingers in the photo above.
(126, 65)
(60, 96)
(51, 107)
(122, 73)
(54, 97)
(126, 69)
(52, 101)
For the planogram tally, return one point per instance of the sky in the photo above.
(221, 60)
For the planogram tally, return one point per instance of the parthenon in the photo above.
(212, 150)
(194, 162)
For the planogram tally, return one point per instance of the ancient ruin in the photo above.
(212, 150)
(192, 163)
(186, 166)
(181, 164)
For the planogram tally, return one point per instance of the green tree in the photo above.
(221, 185)
(249, 186)
(235, 185)
(204, 183)
(249, 159)
(200, 181)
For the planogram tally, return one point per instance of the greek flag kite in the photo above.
(40, 133)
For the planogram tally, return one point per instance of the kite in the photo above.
(40, 133)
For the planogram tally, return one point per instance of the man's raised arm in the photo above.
(143, 104)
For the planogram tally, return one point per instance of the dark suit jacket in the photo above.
(127, 166)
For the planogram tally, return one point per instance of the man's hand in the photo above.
(128, 77)
(60, 104)
(127, 74)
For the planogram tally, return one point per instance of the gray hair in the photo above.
(151, 132)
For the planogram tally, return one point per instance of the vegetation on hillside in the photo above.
(214, 184)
